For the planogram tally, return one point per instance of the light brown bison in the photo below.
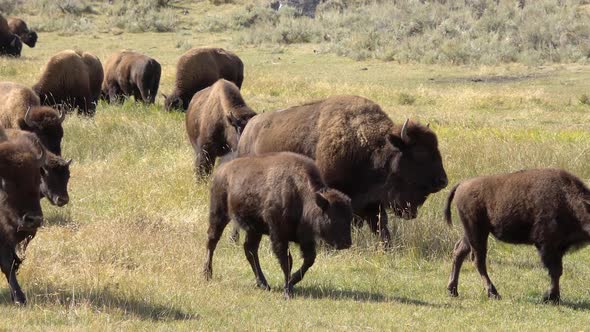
(54, 175)
(71, 78)
(215, 118)
(129, 73)
(549, 208)
(10, 44)
(18, 27)
(199, 68)
(20, 211)
(359, 151)
(281, 195)
(20, 108)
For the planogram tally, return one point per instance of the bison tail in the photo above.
(448, 206)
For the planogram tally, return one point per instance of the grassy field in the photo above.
(127, 251)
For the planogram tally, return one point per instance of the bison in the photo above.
(10, 44)
(18, 27)
(20, 210)
(71, 78)
(281, 195)
(54, 175)
(359, 151)
(129, 73)
(199, 68)
(214, 120)
(20, 108)
(549, 208)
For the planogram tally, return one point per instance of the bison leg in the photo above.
(553, 261)
(204, 162)
(251, 245)
(480, 248)
(376, 217)
(234, 236)
(462, 248)
(217, 222)
(9, 263)
(280, 248)
(308, 252)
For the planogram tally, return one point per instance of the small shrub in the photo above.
(405, 99)
(584, 99)
(142, 16)
(7, 6)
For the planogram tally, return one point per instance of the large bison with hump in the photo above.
(55, 174)
(20, 108)
(129, 73)
(71, 78)
(10, 44)
(215, 118)
(18, 27)
(20, 210)
(199, 68)
(359, 151)
(549, 208)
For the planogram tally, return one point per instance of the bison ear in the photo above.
(321, 201)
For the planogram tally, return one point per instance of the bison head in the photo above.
(29, 38)
(336, 218)
(54, 180)
(10, 45)
(416, 170)
(46, 123)
(20, 162)
(173, 102)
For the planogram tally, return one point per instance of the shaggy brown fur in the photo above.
(54, 176)
(20, 211)
(10, 44)
(281, 195)
(215, 118)
(18, 27)
(199, 68)
(45, 122)
(359, 151)
(131, 73)
(549, 208)
(71, 78)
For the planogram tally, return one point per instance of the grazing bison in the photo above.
(20, 108)
(72, 78)
(10, 44)
(18, 27)
(359, 151)
(549, 208)
(282, 195)
(129, 73)
(199, 68)
(20, 211)
(54, 175)
(215, 118)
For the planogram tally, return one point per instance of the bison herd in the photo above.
(305, 172)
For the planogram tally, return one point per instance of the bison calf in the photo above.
(284, 196)
(215, 118)
(18, 27)
(10, 44)
(549, 208)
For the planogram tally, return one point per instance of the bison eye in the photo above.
(43, 171)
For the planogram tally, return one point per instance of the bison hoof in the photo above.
(551, 298)
(493, 293)
(453, 291)
(207, 274)
(288, 292)
(19, 299)
(263, 286)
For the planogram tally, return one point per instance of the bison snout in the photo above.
(30, 222)
(441, 183)
(61, 200)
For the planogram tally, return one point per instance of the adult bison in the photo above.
(129, 73)
(359, 151)
(281, 195)
(20, 108)
(20, 211)
(10, 44)
(55, 174)
(18, 27)
(71, 78)
(199, 68)
(549, 208)
(214, 120)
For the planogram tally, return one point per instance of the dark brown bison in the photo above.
(199, 68)
(20, 108)
(129, 73)
(20, 211)
(10, 44)
(282, 195)
(71, 78)
(215, 118)
(359, 151)
(549, 208)
(54, 175)
(18, 27)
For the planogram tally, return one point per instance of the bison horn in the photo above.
(404, 132)
(13, 43)
(28, 119)
(69, 162)
(41, 158)
(62, 115)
